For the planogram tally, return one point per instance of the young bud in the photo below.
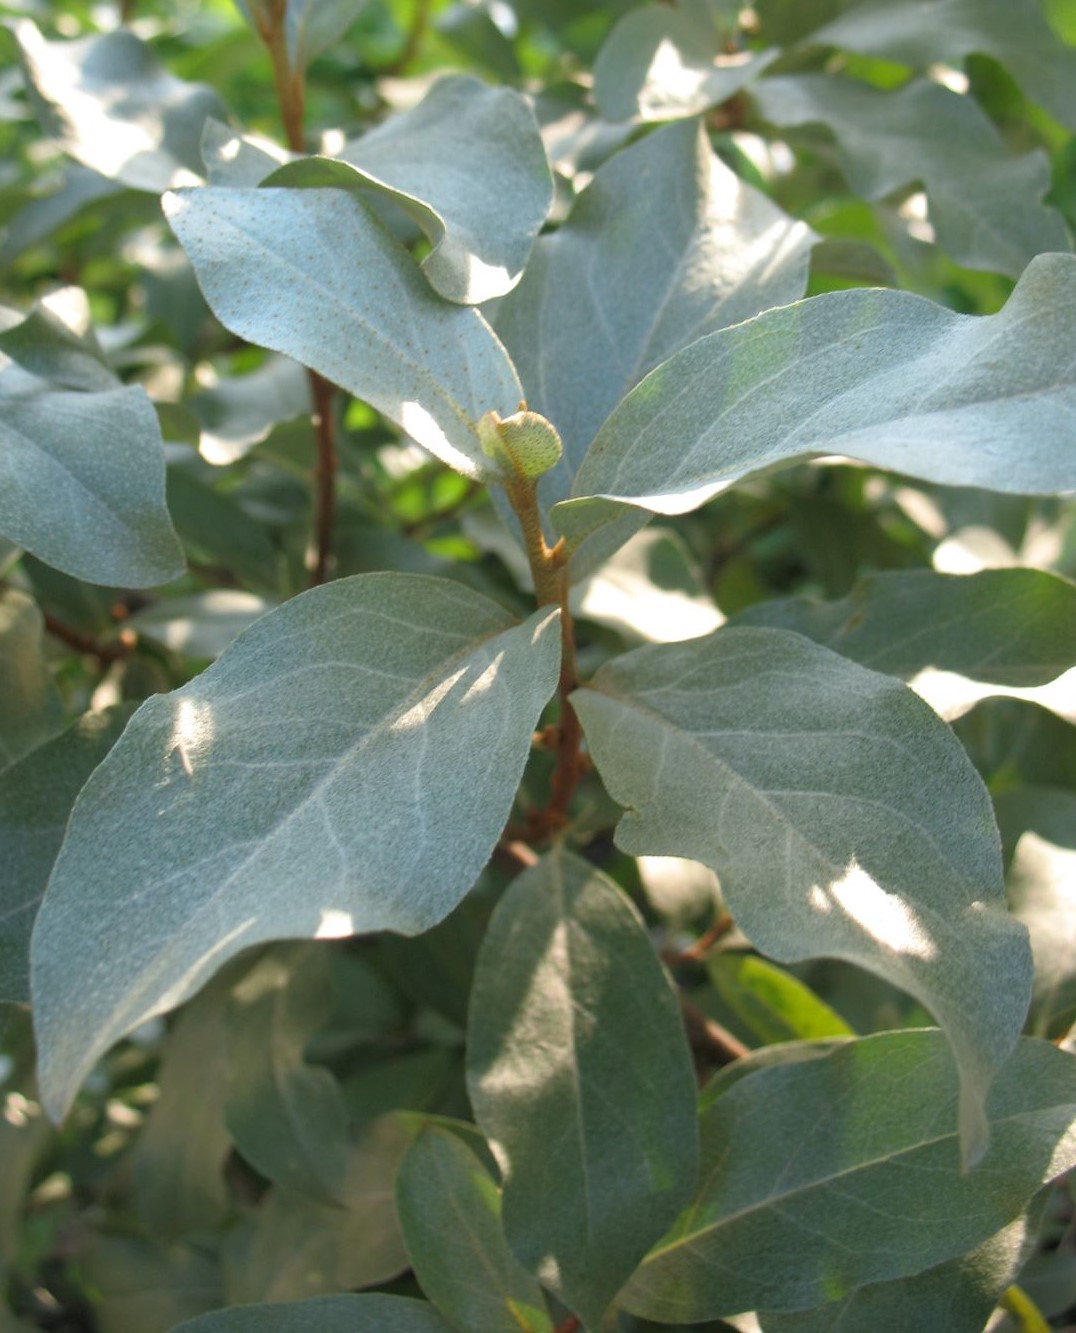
(524, 444)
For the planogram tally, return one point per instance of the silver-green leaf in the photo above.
(985, 205)
(884, 377)
(346, 766)
(604, 300)
(30, 706)
(36, 796)
(313, 274)
(82, 481)
(1015, 32)
(842, 815)
(113, 105)
(659, 63)
(597, 1150)
(468, 165)
(823, 1175)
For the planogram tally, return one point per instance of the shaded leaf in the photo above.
(313, 274)
(843, 818)
(238, 412)
(138, 1284)
(82, 482)
(985, 205)
(46, 346)
(649, 590)
(884, 377)
(597, 1150)
(325, 1314)
(958, 1296)
(24, 1137)
(812, 1172)
(994, 629)
(660, 62)
(36, 796)
(922, 33)
(292, 1248)
(291, 791)
(30, 707)
(286, 1116)
(77, 192)
(179, 1155)
(450, 1212)
(113, 105)
(201, 625)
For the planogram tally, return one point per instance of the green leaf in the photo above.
(239, 411)
(1014, 32)
(467, 164)
(202, 625)
(772, 1003)
(985, 204)
(659, 63)
(292, 1248)
(296, 789)
(884, 377)
(825, 1175)
(82, 482)
(286, 1116)
(79, 190)
(325, 1314)
(958, 1296)
(664, 245)
(843, 818)
(988, 631)
(581, 1079)
(36, 796)
(450, 1212)
(48, 347)
(180, 1154)
(313, 274)
(111, 104)
(30, 707)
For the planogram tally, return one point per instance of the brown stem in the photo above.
(570, 1325)
(85, 643)
(697, 951)
(706, 1034)
(291, 95)
(325, 475)
(550, 573)
(290, 92)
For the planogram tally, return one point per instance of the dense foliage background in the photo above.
(304, 1126)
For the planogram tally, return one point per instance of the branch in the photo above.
(706, 1034)
(105, 653)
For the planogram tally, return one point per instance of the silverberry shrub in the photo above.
(537, 771)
